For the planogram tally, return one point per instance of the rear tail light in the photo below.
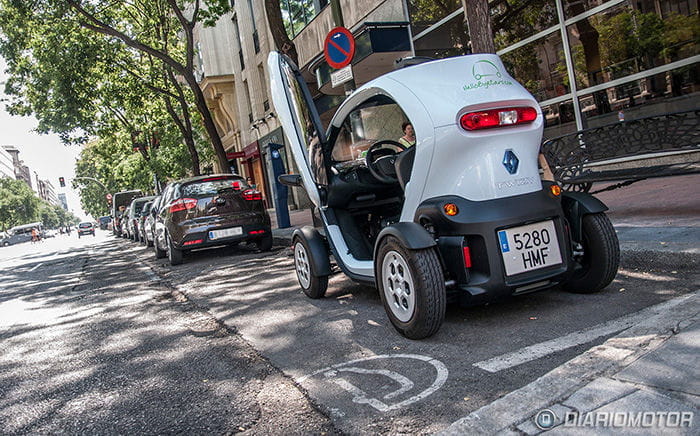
(183, 204)
(497, 118)
(236, 185)
(251, 194)
(196, 241)
(256, 232)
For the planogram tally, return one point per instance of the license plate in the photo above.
(225, 233)
(530, 247)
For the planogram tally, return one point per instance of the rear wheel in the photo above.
(412, 288)
(174, 255)
(601, 256)
(265, 243)
(314, 286)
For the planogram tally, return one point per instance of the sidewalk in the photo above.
(637, 382)
(645, 380)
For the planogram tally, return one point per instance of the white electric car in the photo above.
(462, 215)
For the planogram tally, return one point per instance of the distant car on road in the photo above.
(133, 216)
(86, 228)
(104, 222)
(148, 226)
(19, 234)
(120, 200)
(206, 211)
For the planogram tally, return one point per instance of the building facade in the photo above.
(232, 66)
(45, 190)
(588, 62)
(20, 169)
(63, 202)
(7, 166)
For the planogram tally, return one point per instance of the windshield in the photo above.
(85, 225)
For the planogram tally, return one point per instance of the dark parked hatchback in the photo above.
(208, 211)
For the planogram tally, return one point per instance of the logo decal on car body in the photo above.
(511, 161)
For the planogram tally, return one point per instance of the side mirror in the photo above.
(291, 180)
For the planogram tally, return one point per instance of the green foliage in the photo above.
(86, 86)
(20, 205)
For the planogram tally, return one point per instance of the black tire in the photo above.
(313, 285)
(6, 244)
(159, 253)
(601, 258)
(265, 243)
(174, 255)
(424, 282)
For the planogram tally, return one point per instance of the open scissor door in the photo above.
(300, 120)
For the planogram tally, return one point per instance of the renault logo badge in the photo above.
(510, 161)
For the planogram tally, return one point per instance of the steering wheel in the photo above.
(380, 161)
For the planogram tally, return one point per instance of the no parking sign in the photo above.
(339, 47)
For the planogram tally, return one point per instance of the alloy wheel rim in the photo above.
(301, 263)
(398, 286)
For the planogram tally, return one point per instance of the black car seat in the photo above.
(404, 165)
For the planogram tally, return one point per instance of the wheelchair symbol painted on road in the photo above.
(402, 383)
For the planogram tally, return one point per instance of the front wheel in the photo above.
(601, 256)
(412, 288)
(314, 286)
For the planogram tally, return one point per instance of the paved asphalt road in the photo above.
(92, 344)
(343, 351)
(104, 338)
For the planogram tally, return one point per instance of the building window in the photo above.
(237, 30)
(296, 14)
(263, 88)
(256, 39)
(249, 104)
(635, 57)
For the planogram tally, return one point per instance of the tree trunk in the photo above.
(479, 24)
(279, 34)
(209, 126)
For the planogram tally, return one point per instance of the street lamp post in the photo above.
(92, 179)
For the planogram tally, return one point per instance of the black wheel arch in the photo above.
(320, 257)
(576, 205)
(411, 235)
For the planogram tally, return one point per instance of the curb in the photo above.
(502, 415)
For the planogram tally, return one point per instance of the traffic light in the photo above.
(62, 182)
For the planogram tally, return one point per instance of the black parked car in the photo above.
(207, 211)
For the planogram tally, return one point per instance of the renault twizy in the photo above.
(464, 214)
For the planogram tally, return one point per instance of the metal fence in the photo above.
(627, 150)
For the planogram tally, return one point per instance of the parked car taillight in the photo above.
(183, 204)
(251, 194)
(497, 118)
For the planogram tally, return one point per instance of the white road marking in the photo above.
(580, 337)
(35, 267)
(361, 397)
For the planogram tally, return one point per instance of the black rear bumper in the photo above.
(476, 226)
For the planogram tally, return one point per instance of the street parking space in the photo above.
(344, 352)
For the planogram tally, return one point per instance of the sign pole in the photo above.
(337, 12)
